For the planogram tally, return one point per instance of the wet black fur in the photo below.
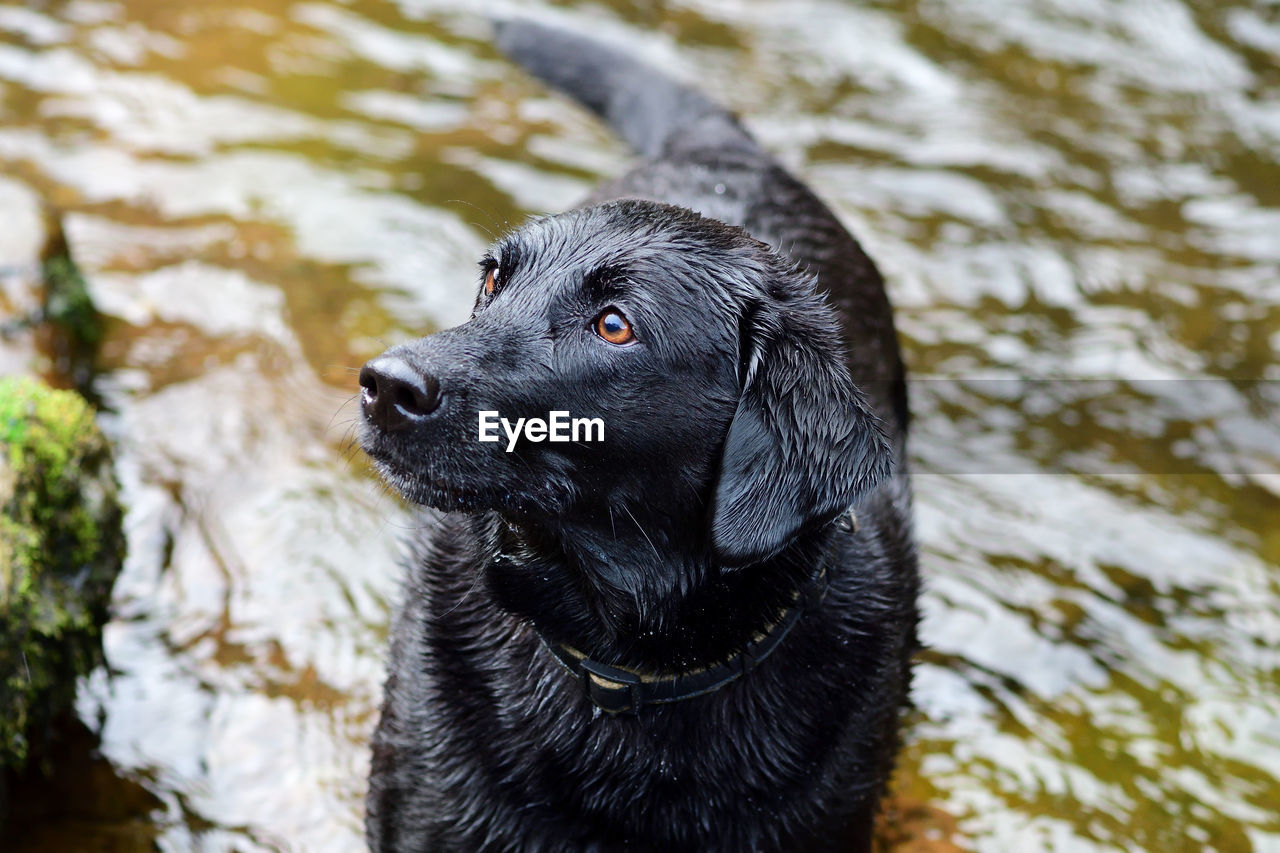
(749, 413)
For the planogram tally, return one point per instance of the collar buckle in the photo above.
(612, 690)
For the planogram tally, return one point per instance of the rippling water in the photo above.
(1076, 206)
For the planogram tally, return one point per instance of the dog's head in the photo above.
(729, 417)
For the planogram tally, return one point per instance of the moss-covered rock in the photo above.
(61, 547)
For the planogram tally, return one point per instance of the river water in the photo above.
(1076, 206)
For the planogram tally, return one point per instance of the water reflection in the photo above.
(1084, 194)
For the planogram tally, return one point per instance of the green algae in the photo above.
(61, 546)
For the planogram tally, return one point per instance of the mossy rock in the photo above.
(61, 547)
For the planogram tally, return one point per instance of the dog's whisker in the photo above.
(492, 221)
(338, 410)
(642, 533)
(477, 575)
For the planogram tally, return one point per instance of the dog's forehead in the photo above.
(564, 244)
(669, 252)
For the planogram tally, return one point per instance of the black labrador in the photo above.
(674, 607)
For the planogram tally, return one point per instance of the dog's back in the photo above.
(485, 743)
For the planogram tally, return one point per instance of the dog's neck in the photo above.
(629, 600)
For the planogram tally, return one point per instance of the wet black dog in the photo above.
(677, 637)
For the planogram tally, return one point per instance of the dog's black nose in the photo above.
(394, 394)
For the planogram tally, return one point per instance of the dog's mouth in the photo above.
(450, 497)
(452, 491)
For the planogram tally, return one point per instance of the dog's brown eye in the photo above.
(490, 280)
(614, 328)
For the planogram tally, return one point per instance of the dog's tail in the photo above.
(645, 107)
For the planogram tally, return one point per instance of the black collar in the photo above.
(617, 690)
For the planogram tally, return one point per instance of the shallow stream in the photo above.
(1076, 206)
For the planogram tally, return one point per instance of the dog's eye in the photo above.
(614, 328)
(491, 281)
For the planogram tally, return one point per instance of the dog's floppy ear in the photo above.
(803, 445)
